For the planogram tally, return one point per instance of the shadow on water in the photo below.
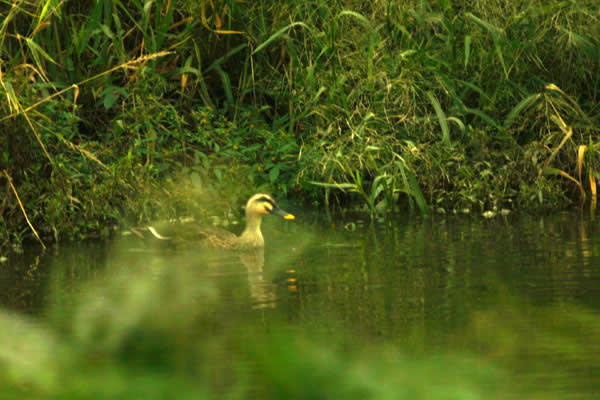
(442, 308)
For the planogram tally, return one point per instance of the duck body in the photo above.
(257, 207)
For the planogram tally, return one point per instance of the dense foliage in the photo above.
(125, 111)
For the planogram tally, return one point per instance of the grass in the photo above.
(411, 105)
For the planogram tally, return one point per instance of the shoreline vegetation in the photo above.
(122, 112)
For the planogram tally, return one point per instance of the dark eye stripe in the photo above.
(266, 200)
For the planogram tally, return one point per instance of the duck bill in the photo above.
(281, 213)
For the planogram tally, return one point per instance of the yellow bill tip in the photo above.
(289, 216)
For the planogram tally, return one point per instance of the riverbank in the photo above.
(119, 114)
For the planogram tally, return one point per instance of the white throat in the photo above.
(252, 234)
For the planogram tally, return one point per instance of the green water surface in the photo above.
(453, 307)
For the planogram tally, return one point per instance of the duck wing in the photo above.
(211, 236)
(189, 233)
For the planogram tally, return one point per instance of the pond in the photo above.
(438, 307)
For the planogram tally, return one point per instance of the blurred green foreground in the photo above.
(144, 323)
(177, 327)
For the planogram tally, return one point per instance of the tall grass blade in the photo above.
(516, 110)
(341, 186)
(280, 33)
(224, 58)
(484, 117)
(411, 186)
(582, 42)
(559, 172)
(415, 190)
(441, 118)
(226, 84)
(372, 42)
(580, 157)
(572, 102)
(11, 97)
(467, 50)
(593, 188)
(568, 133)
(358, 16)
(501, 58)
(476, 88)
(495, 32)
(377, 187)
(458, 123)
(44, 11)
(204, 20)
(36, 50)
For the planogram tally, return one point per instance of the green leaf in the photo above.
(226, 84)
(519, 107)
(416, 192)
(441, 118)
(467, 49)
(341, 186)
(36, 50)
(274, 174)
(110, 99)
(495, 32)
(44, 11)
(279, 33)
(107, 31)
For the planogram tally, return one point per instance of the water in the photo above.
(518, 296)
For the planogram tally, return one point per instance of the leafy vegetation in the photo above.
(127, 111)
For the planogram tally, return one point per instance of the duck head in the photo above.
(262, 204)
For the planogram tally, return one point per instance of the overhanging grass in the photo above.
(441, 104)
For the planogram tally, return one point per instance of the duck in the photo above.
(258, 206)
